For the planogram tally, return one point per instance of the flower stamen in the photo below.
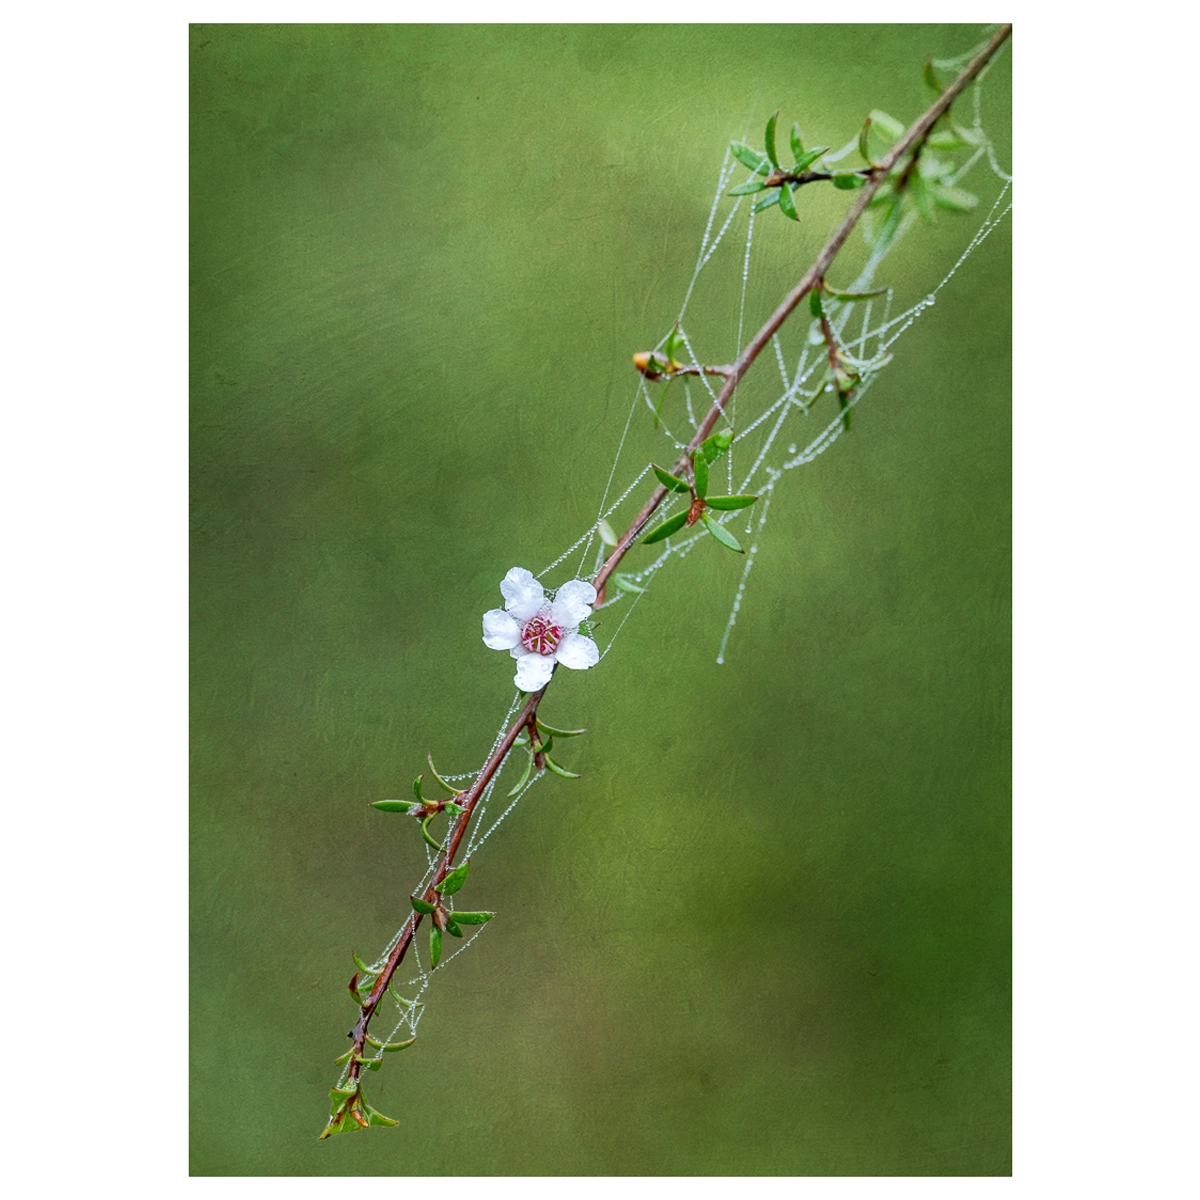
(540, 635)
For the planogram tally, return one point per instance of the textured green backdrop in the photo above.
(768, 931)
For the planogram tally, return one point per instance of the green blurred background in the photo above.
(768, 931)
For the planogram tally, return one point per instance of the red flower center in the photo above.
(540, 635)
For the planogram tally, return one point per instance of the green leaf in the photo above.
(814, 303)
(391, 1047)
(473, 918)
(717, 444)
(943, 139)
(452, 790)
(750, 158)
(399, 999)
(669, 526)
(435, 946)
(786, 204)
(721, 533)
(522, 739)
(767, 201)
(427, 835)
(848, 181)
(558, 732)
(844, 405)
(886, 125)
(725, 503)
(921, 198)
(864, 141)
(797, 144)
(454, 881)
(400, 806)
(452, 928)
(625, 583)
(607, 535)
(748, 189)
(805, 161)
(931, 79)
(417, 789)
(337, 1062)
(954, 199)
(454, 809)
(671, 482)
(700, 473)
(553, 766)
(422, 906)
(375, 1117)
(524, 777)
(851, 297)
(372, 1064)
(769, 139)
(362, 966)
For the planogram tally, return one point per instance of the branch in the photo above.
(916, 134)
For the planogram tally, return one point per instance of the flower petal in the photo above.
(577, 652)
(533, 672)
(500, 631)
(572, 603)
(523, 595)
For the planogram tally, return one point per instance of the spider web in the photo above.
(775, 432)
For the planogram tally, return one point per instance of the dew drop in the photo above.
(792, 448)
(931, 299)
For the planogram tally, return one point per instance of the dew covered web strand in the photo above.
(866, 333)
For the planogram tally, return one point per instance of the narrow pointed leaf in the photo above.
(454, 881)
(931, 79)
(769, 138)
(375, 1117)
(399, 998)
(722, 534)
(716, 445)
(435, 946)
(362, 966)
(337, 1062)
(726, 503)
(814, 303)
(750, 158)
(449, 787)
(851, 297)
(797, 144)
(786, 203)
(427, 835)
(390, 1047)
(954, 199)
(553, 766)
(400, 806)
(805, 161)
(848, 181)
(422, 906)
(700, 474)
(943, 139)
(626, 584)
(417, 789)
(748, 189)
(524, 777)
(669, 526)
(844, 405)
(558, 732)
(372, 1064)
(452, 928)
(473, 918)
(767, 201)
(454, 809)
(606, 532)
(886, 124)
(671, 482)
(864, 141)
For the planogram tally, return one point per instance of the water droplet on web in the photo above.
(931, 298)
(792, 448)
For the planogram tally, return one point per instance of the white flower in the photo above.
(538, 632)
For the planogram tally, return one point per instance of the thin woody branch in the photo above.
(732, 374)
(912, 137)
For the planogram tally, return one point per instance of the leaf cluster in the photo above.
(705, 454)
